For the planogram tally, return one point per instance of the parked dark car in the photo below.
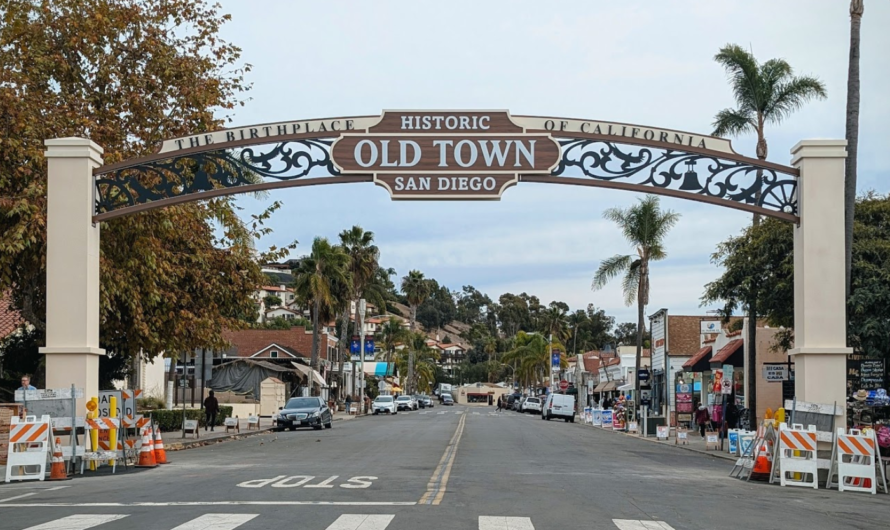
(427, 401)
(305, 412)
(447, 400)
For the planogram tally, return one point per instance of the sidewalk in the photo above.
(695, 443)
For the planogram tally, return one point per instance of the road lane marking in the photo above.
(354, 521)
(440, 413)
(505, 523)
(475, 414)
(629, 524)
(78, 522)
(200, 503)
(217, 521)
(424, 412)
(17, 497)
(435, 489)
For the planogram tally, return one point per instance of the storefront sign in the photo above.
(871, 374)
(710, 326)
(445, 154)
(733, 437)
(774, 373)
(607, 419)
(662, 432)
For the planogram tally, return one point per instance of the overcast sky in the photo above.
(640, 62)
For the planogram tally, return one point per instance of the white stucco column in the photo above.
(72, 267)
(820, 315)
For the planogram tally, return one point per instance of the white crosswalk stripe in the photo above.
(424, 412)
(78, 522)
(440, 413)
(505, 523)
(354, 521)
(217, 521)
(630, 524)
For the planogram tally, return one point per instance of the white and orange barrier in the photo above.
(796, 460)
(853, 461)
(28, 448)
(104, 450)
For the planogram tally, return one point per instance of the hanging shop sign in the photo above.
(445, 154)
(710, 326)
(871, 374)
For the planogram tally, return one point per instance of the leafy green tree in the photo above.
(391, 335)
(554, 320)
(271, 301)
(126, 75)
(530, 357)
(644, 226)
(625, 333)
(471, 305)
(424, 363)
(438, 309)
(318, 280)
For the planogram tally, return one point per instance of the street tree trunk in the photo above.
(314, 361)
(857, 8)
(752, 363)
(341, 354)
(410, 384)
(640, 311)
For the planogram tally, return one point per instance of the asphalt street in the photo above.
(452, 468)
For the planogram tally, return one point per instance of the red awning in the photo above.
(725, 352)
(699, 356)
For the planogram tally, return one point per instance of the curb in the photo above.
(189, 444)
(715, 454)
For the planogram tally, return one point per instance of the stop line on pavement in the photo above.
(347, 521)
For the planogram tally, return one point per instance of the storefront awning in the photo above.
(599, 387)
(314, 376)
(699, 361)
(378, 369)
(610, 386)
(625, 388)
(732, 354)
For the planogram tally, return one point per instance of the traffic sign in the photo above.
(563, 385)
(554, 359)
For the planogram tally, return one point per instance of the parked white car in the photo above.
(404, 403)
(531, 404)
(384, 404)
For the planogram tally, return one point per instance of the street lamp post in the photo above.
(361, 353)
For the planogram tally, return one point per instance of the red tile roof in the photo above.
(701, 354)
(724, 353)
(10, 319)
(247, 342)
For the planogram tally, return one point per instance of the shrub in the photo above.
(171, 420)
(150, 403)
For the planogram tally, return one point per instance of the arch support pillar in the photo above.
(72, 267)
(820, 312)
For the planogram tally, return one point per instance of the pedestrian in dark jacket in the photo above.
(702, 418)
(211, 408)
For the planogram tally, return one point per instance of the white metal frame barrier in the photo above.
(795, 462)
(853, 460)
(28, 448)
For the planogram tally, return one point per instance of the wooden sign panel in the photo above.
(445, 154)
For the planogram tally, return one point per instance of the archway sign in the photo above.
(447, 155)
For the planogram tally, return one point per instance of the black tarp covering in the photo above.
(243, 376)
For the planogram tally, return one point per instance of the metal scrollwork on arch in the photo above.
(705, 175)
(212, 170)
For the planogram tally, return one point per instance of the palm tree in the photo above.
(317, 281)
(363, 256)
(765, 94)
(424, 359)
(857, 8)
(489, 347)
(391, 335)
(554, 320)
(531, 357)
(644, 226)
(416, 289)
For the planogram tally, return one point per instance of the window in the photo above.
(273, 354)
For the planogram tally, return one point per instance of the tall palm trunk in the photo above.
(640, 316)
(410, 386)
(341, 354)
(314, 360)
(857, 7)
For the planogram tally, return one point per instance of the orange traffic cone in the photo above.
(57, 472)
(146, 455)
(160, 454)
(763, 465)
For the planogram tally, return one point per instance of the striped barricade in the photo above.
(28, 448)
(137, 421)
(796, 451)
(853, 461)
(104, 451)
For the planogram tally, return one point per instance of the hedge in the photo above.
(171, 419)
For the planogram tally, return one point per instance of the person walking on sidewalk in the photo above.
(702, 418)
(211, 408)
(348, 403)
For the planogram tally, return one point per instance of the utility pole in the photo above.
(550, 351)
(361, 352)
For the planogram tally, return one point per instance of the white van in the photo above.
(559, 406)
